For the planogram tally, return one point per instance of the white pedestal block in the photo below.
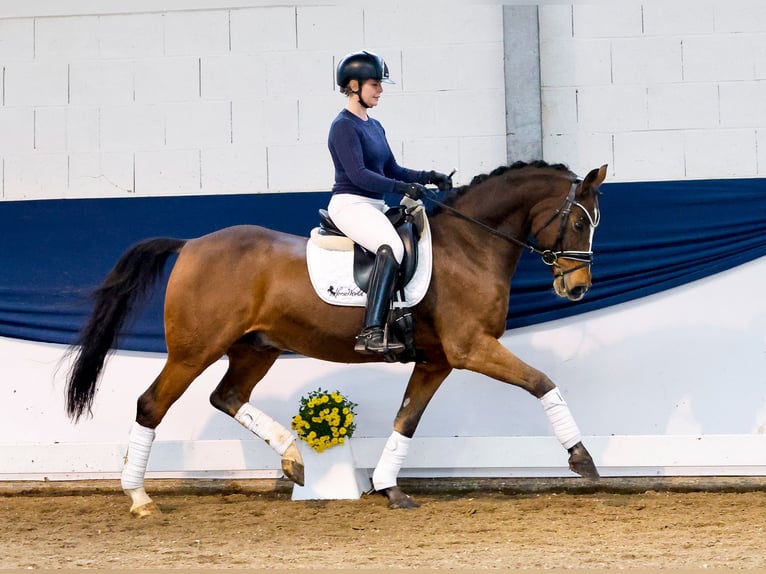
(330, 475)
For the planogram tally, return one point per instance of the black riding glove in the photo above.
(412, 190)
(440, 180)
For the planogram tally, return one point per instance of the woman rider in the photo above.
(365, 170)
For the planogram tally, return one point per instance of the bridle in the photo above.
(549, 256)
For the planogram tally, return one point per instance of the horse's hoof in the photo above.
(148, 509)
(580, 462)
(397, 499)
(292, 465)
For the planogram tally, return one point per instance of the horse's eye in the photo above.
(579, 225)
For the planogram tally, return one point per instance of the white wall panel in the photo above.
(17, 39)
(133, 127)
(192, 33)
(607, 20)
(67, 38)
(17, 130)
(30, 84)
(198, 124)
(101, 82)
(262, 29)
(612, 108)
(330, 27)
(131, 35)
(647, 60)
(66, 129)
(35, 175)
(682, 106)
(101, 174)
(720, 57)
(167, 172)
(723, 153)
(233, 76)
(167, 80)
(681, 17)
(649, 155)
(234, 169)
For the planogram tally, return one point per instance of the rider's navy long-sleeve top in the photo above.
(364, 163)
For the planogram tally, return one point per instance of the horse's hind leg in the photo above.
(248, 363)
(153, 404)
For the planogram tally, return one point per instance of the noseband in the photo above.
(549, 256)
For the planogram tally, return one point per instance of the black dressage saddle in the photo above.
(364, 260)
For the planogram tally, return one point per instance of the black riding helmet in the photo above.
(361, 66)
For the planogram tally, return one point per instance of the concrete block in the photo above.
(575, 62)
(582, 151)
(262, 29)
(681, 106)
(100, 174)
(684, 17)
(304, 72)
(457, 67)
(440, 154)
(17, 39)
(647, 60)
(420, 24)
(607, 20)
(101, 82)
(131, 35)
(612, 108)
(479, 155)
(197, 124)
(234, 169)
(67, 38)
(167, 172)
(315, 114)
(35, 176)
(59, 129)
(720, 58)
(740, 16)
(196, 33)
(132, 127)
(555, 21)
(267, 121)
(167, 80)
(411, 116)
(458, 115)
(330, 27)
(233, 76)
(559, 110)
(654, 155)
(17, 130)
(36, 84)
(300, 167)
(721, 153)
(742, 104)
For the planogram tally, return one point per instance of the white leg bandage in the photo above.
(564, 425)
(391, 461)
(139, 446)
(265, 427)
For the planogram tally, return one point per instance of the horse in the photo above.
(245, 292)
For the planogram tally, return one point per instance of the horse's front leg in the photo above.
(489, 357)
(424, 381)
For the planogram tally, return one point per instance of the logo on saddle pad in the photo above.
(330, 262)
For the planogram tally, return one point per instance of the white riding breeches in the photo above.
(362, 219)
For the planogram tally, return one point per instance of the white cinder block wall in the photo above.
(235, 100)
(237, 97)
(663, 90)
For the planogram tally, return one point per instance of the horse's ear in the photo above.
(594, 179)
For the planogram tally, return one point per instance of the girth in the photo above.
(364, 259)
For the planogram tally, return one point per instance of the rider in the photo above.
(365, 170)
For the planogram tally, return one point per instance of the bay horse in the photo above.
(245, 292)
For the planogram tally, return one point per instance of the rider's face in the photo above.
(371, 91)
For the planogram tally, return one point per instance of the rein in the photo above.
(548, 256)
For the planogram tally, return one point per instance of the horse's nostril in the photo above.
(578, 291)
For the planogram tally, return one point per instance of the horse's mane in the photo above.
(452, 195)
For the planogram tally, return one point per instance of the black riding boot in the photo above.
(373, 338)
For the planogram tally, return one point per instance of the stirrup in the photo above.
(373, 340)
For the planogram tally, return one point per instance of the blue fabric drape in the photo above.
(653, 236)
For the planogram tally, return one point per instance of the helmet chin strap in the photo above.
(361, 101)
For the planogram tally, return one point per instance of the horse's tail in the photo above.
(126, 286)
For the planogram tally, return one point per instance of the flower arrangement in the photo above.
(324, 419)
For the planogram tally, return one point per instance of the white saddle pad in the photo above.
(332, 273)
